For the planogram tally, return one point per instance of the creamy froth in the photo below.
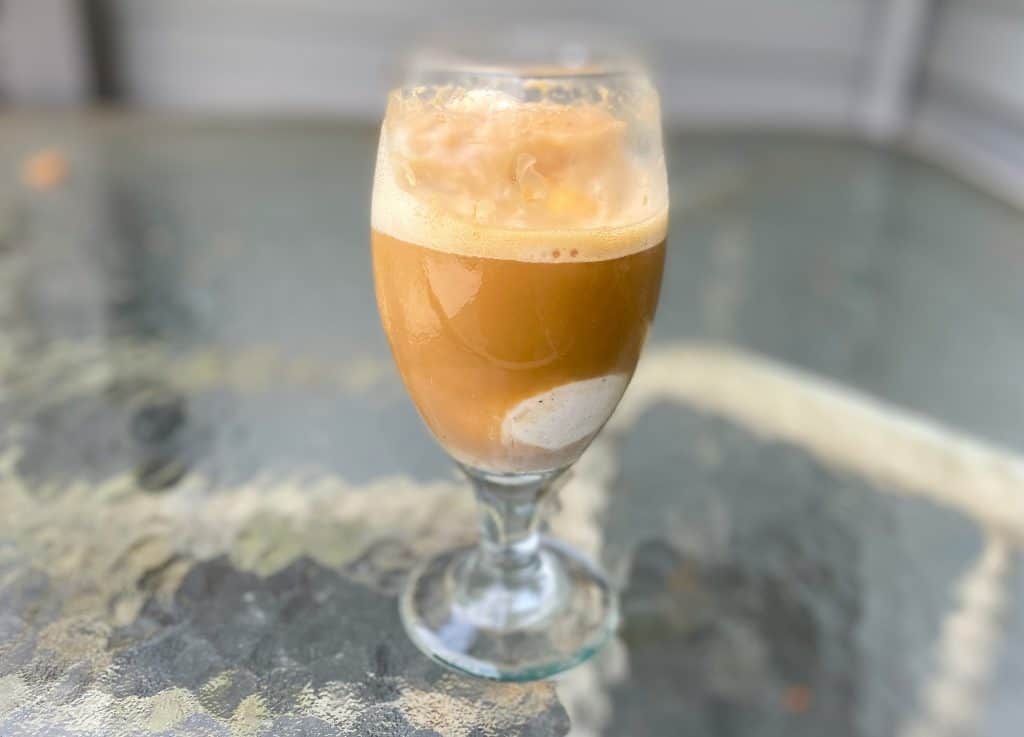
(482, 173)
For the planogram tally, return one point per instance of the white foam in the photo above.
(494, 177)
(565, 415)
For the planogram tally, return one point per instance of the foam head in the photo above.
(522, 173)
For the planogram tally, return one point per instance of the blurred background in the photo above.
(197, 405)
(945, 77)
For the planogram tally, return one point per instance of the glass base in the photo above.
(509, 625)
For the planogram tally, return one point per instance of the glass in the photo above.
(520, 209)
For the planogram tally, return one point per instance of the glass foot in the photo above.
(509, 623)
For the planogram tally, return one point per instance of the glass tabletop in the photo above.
(212, 482)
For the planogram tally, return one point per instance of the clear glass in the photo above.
(519, 216)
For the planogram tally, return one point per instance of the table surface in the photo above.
(212, 482)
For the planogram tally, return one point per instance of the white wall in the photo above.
(970, 109)
(788, 62)
(43, 56)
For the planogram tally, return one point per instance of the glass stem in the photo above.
(509, 582)
(510, 523)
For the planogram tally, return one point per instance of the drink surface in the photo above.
(518, 251)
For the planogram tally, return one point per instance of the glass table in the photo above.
(212, 482)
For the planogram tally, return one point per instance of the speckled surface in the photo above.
(212, 483)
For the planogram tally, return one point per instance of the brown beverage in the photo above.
(518, 252)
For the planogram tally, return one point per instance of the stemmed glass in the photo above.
(519, 216)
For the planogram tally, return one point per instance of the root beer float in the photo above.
(518, 247)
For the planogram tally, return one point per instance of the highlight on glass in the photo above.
(520, 210)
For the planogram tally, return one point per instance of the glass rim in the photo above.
(538, 71)
(549, 52)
